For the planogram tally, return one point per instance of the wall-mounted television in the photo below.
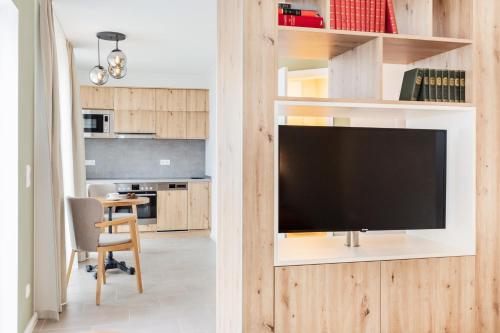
(357, 179)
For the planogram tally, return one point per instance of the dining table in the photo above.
(110, 204)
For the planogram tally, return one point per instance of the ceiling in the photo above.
(172, 37)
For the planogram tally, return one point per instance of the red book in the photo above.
(358, 14)
(382, 15)
(353, 14)
(343, 14)
(304, 21)
(371, 15)
(333, 18)
(378, 5)
(363, 16)
(391, 25)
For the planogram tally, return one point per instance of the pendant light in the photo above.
(117, 58)
(98, 75)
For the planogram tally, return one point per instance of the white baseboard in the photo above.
(30, 328)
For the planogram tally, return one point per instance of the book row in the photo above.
(433, 85)
(363, 15)
(295, 17)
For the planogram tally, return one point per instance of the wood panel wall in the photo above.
(487, 98)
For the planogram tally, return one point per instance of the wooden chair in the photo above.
(87, 223)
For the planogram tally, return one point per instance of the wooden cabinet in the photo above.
(340, 298)
(127, 121)
(171, 99)
(172, 211)
(428, 295)
(135, 99)
(171, 125)
(198, 205)
(197, 125)
(197, 100)
(97, 97)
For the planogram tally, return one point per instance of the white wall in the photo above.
(9, 82)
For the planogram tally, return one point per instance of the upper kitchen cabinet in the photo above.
(135, 122)
(174, 100)
(197, 100)
(100, 98)
(135, 99)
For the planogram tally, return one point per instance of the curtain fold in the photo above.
(49, 236)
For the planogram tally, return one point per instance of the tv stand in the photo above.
(352, 239)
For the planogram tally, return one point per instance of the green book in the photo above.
(424, 90)
(432, 85)
(451, 86)
(462, 86)
(410, 88)
(457, 86)
(445, 88)
(439, 85)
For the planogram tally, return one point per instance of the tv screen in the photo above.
(357, 179)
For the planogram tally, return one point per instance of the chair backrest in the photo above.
(100, 190)
(86, 212)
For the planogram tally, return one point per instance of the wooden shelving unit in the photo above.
(367, 66)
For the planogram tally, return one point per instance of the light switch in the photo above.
(164, 162)
(28, 176)
(89, 162)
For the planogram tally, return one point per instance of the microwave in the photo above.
(98, 123)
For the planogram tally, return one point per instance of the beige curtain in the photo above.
(50, 259)
(77, 129)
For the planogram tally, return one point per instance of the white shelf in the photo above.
(374, 247)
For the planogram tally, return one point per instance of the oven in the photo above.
(98, 123)
(146, 214)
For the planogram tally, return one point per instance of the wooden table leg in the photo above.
(134, 211)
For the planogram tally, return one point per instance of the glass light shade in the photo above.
(99, 75)
(117, 58)
(117, 72)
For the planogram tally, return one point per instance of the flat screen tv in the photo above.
(359, 179)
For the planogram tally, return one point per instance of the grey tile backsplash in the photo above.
(140, 158)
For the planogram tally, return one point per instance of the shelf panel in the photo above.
(308, 43)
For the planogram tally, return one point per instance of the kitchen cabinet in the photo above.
(197, 100)
(198, 205)
(134, 99)
(130, 121)
(197, 125)
(171, 100)
(170, 125)
(172, 210)
(100, 98)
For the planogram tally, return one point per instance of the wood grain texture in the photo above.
(96, 97)
(341, 298)
(129, 121)
(414, 17)
(487, 97)
(453, 18)
(199, 205)
(357, 73)
(197, 125)
(171, 99)
(172, 210)
(197, 100)
(171, 125)
(134, 99)
(428, 295)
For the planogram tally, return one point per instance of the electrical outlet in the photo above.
(89, 162)
(27, 293)
(164, 162)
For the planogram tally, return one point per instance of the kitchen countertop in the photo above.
(157, 180)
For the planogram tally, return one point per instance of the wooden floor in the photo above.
(179, 291)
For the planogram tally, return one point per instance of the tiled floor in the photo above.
(179, 292)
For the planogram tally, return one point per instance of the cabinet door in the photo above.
(340, 298)
(134, 99)
(428, 295)
(172, 210)
(134, 121)
(170, 125)
(97, 98)
(171, 100)
(198, 205)
(197, 100)
(197, 125)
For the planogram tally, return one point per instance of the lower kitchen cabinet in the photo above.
(342, 298)
(198, 205)
(172, 210)
(135, 121)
